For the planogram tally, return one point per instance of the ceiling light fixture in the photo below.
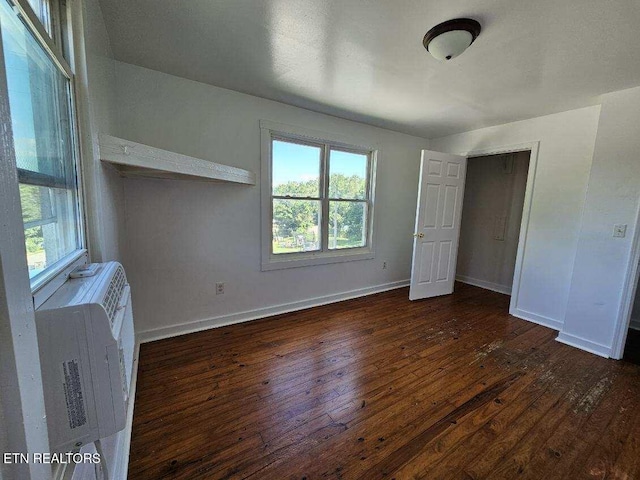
(451, 38)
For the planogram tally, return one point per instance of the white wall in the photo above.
(564, 160)
(184, 236)
(612, 198)
(104, 188)
(491, 193)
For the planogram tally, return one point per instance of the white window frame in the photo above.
(278, 131)
(43, 285)
(51, 43)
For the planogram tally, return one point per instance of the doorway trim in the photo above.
(533, 148)
(623, 320)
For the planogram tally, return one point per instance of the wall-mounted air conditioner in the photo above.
(86, 340)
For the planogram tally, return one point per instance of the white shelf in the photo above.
(133, 159)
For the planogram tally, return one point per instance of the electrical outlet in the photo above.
(384, 265)
(219, 288)
(620, 231)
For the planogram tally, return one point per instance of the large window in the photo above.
(320, 199)
(40, 101)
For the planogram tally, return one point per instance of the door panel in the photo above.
(444, 261)
(449, 213)
(438, 215)
(453, 170)
(427, 262)
(431, 207)
(435, 167)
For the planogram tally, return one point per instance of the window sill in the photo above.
(292, 260)
(43, 287)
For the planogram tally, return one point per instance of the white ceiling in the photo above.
(364, 60)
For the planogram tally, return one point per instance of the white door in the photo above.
(437, 230)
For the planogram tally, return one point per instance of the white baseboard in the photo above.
(584, 344)
(233, 318)
(535, 318)
(123, 455)
(496, 287)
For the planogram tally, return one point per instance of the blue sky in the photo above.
(294, 162)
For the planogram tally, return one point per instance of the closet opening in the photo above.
(632, 344)
(492, 212)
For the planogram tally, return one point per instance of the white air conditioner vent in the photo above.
(114, 292)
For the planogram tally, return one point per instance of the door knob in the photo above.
(419, 235)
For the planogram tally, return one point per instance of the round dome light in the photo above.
(449, 39)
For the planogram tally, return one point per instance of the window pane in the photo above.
(39, 99)
(347, 224)
(296, 226)
(348, 175)
(296, 169)
(42, 9)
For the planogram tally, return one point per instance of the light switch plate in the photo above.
(620, 230)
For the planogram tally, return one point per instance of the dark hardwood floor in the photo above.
(383, 388)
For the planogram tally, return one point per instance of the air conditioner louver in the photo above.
(114, 292)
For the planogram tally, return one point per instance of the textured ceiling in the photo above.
(363, 59)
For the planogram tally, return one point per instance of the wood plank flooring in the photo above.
(383, 388)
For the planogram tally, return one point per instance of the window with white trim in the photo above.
(41, 103)
(317, 200)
